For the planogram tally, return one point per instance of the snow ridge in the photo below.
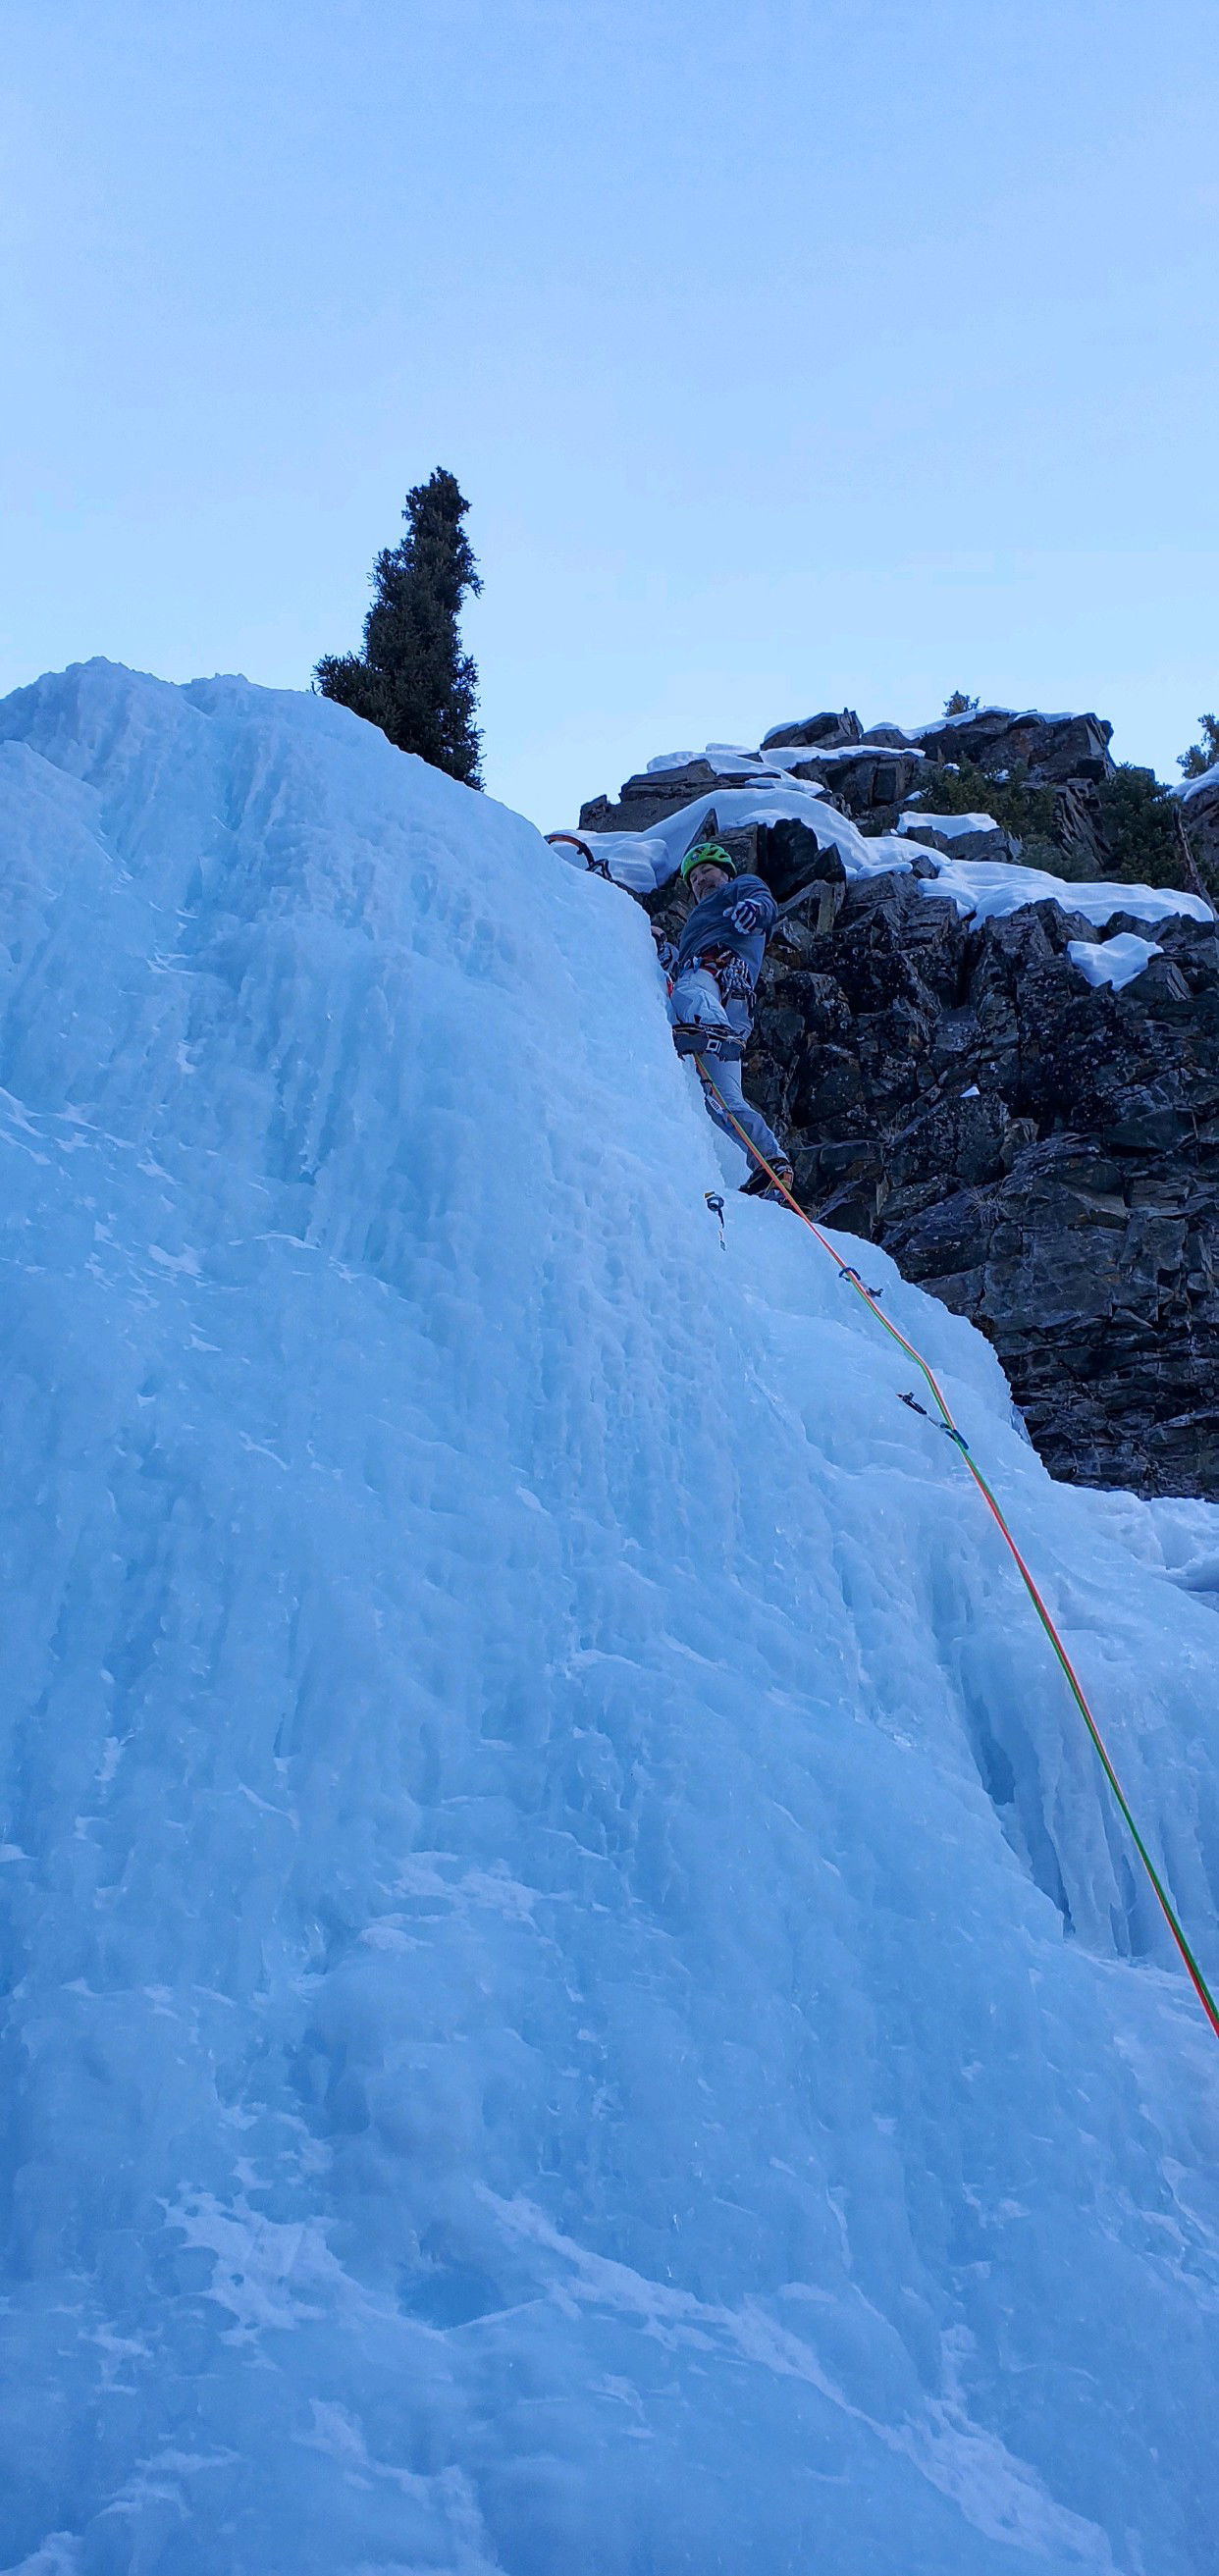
(985, 889)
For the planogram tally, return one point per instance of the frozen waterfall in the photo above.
(578, 2005)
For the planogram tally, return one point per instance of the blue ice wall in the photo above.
(577, 2004)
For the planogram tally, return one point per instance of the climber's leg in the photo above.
(727, 1080)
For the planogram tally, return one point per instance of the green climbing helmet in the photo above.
(707, 854)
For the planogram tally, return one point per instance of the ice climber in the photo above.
(713, 968)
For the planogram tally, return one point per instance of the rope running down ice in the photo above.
(947, 1423)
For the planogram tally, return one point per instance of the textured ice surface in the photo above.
(579, 2006)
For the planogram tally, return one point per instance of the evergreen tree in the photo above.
(412, 677)
(1203, 755)
(960, 705)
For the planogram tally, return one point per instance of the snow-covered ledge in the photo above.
(1113, 961)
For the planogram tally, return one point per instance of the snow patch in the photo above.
(1113, 961)
(989, 889)
(951, 825)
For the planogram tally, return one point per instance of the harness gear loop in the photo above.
(947, 1423)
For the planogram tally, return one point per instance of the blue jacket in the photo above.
(737, 918)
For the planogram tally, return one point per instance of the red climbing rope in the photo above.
(947, 1423)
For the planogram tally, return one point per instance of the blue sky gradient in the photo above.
(789, 356)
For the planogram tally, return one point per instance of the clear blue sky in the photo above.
(791, 352)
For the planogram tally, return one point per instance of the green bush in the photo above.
(1202, 755)
(1136, 818)
(1139, 829)
(965, 789)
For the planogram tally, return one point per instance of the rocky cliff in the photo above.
(1042, 1154)
(1050, 782)
(1038, 1150)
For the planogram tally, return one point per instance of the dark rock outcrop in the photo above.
(826, 732)
(1078, 826)
(653, 794)
(870, 782)
(1051, 748)
(1042, 1155)
(986, 841)
(872, 774)
(787, 854)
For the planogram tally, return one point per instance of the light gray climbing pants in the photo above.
(696, 996)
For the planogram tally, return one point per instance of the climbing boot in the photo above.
(760, 1186)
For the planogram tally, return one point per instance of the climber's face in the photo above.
(708, 879)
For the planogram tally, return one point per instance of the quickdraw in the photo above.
(916, 1407)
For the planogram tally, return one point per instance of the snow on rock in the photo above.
(985, 888)
(719, 756)
(968, 716)
(1113, 961)
(735, 806)
(644, 861)
(959, 836)
(580, 2001)
(989, 888)
(954, 827)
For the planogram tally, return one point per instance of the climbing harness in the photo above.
(731, 975)
(943, 1421)
(695, 1037)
